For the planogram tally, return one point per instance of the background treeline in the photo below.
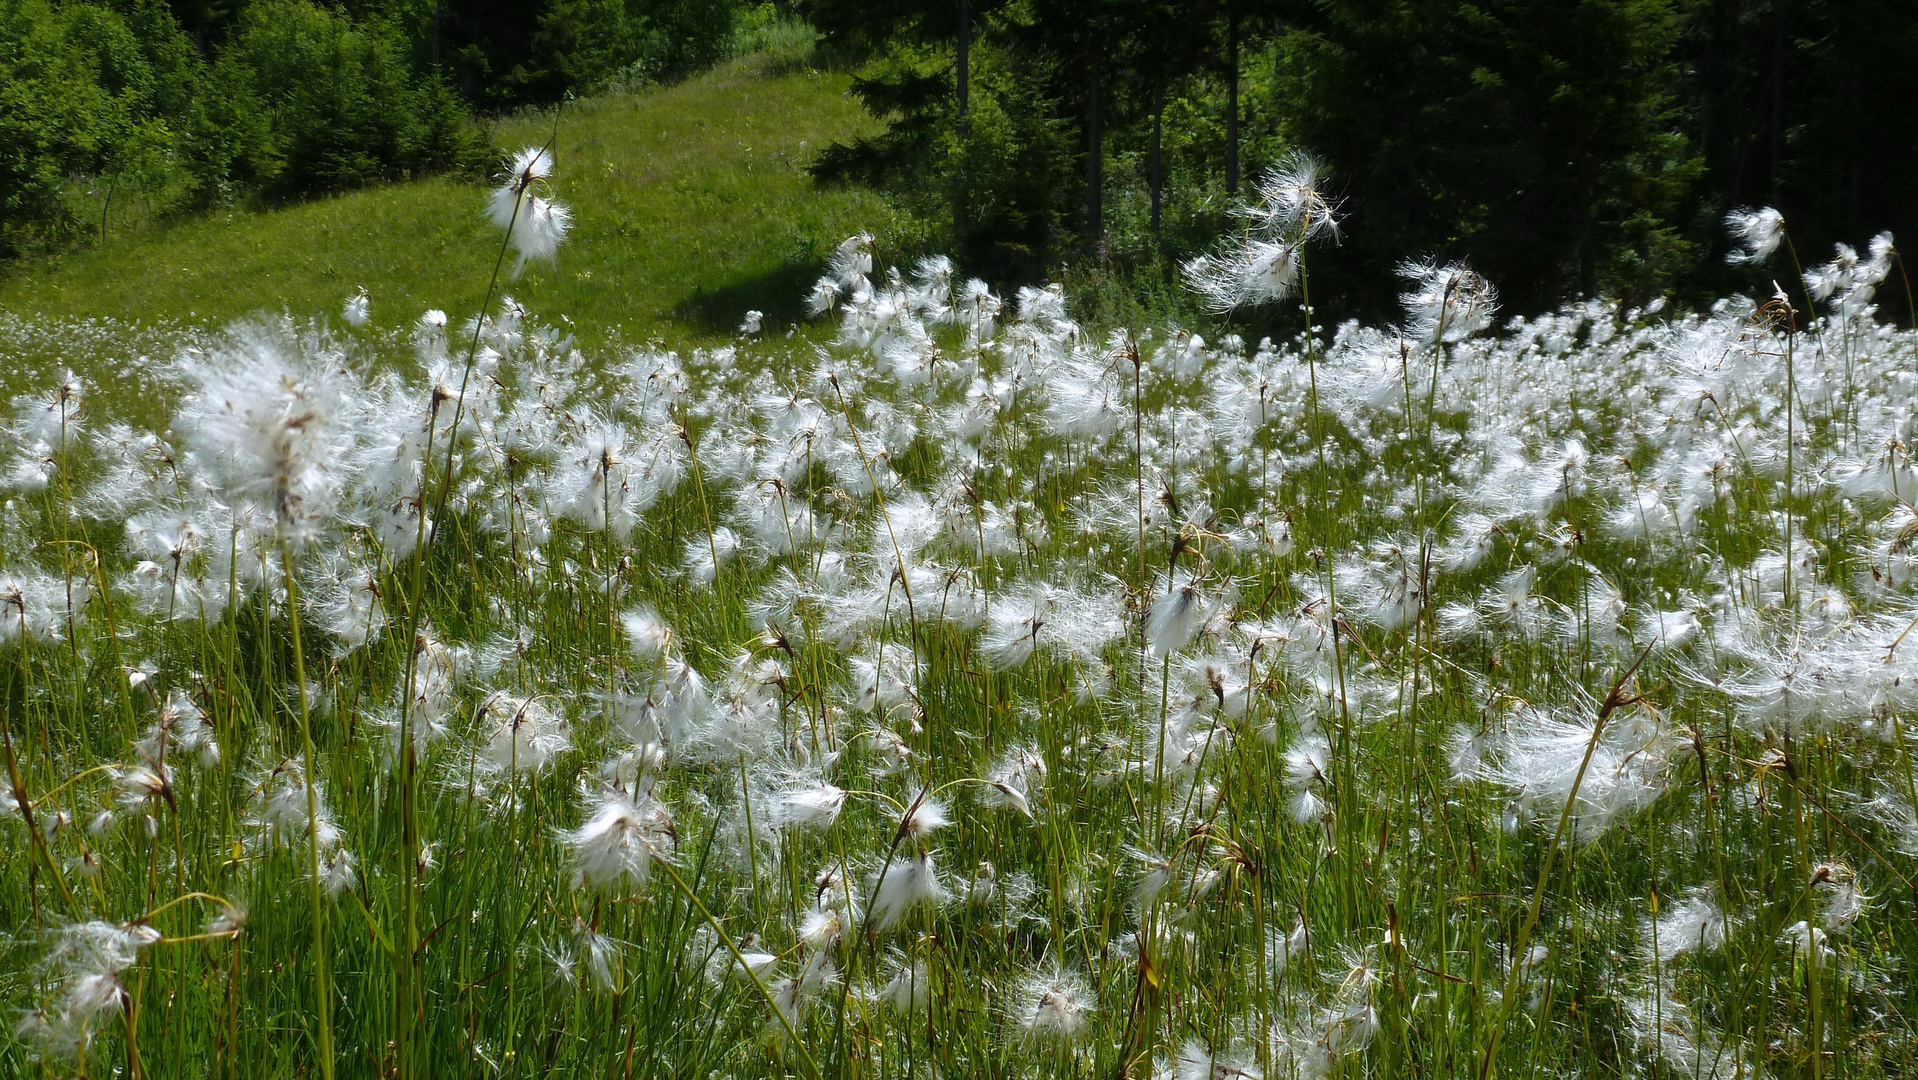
(1565, 147)
(116, 112)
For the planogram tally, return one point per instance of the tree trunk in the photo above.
(1232, 101)
(1777, 100)
(1095, 160)
(964, 74)
(107, 207)
(1158, 159)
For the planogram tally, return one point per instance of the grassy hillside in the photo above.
(691, 205)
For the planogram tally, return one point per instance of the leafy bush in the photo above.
(304, 100)
(769, 29)
(76, 95)
(507, 53)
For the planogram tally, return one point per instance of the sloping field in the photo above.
(691, 205)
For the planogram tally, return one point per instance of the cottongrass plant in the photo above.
(977, 695)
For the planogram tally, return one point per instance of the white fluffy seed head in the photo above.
(616, 847)
(902, 887)
(1053, 1005)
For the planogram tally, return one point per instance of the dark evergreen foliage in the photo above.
(1564, 147)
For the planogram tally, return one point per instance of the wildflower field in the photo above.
(978, 695)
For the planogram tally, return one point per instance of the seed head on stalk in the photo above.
(535, 224)
(1261, 266)
(271, 421)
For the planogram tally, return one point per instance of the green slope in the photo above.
(691, 205)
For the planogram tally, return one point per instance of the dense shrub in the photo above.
(77, 94)
(505, 53)
(305, 100)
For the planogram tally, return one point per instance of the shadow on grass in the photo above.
(778, 294)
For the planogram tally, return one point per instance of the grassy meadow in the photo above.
(692, 208)
(975, 694)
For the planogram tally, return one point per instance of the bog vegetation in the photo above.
(982, 694)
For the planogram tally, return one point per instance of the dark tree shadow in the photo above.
(780, 294)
